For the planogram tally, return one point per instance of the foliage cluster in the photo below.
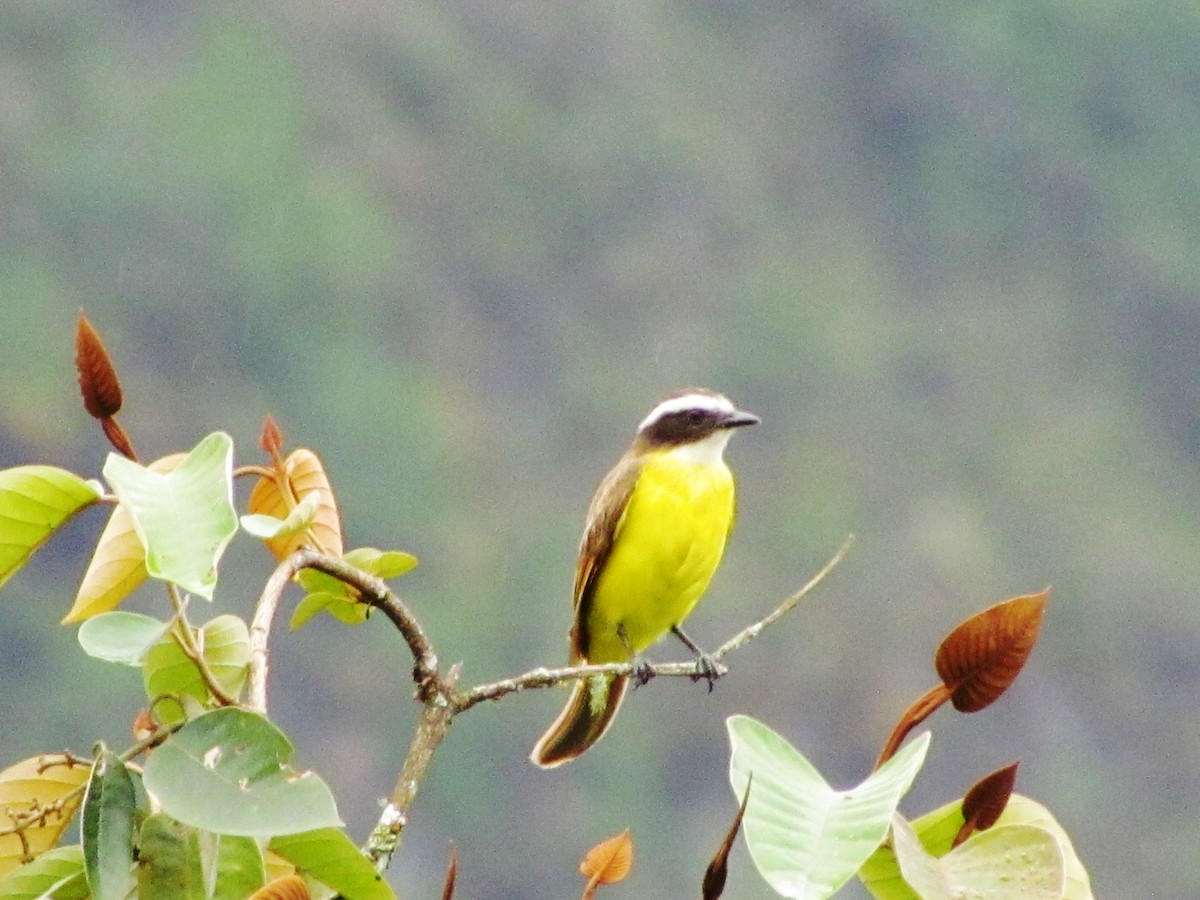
(216, 811)
(947, 248)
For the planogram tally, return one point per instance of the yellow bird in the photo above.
(655, 533)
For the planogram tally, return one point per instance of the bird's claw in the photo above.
(643, 671)
(709, 669)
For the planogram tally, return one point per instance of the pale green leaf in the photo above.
(167, 671)
(120, 637)
(269, 528)
(118, 564)
(381, 563)
(331, 858)
(35, 501)
(184, 518)
(1002, 863)
(312, 604)
(229, 771)
(806, 838)
(57, 873)
(342, 601)
(936, 831)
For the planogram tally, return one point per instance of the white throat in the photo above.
(707, 451)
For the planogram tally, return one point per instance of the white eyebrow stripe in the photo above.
(717, 403)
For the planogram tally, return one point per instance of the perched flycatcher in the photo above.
(655, 533)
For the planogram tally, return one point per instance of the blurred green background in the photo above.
(947, 251)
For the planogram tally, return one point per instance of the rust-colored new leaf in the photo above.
(290, 887)
(607, 863)
(97, 378)
(270, 439)
(304, 474)
(984, 803)
(451, 874)
(922, 708)
(979, 659)
(717, 872)
(118, 438)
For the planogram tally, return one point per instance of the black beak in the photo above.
(739, 418)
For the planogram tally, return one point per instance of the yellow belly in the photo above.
(668, 546)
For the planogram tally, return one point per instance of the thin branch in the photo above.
(260, 630)
(23, 820)
(185, 637)
(440, 699)
(437, 712)
(372, 590)
(543, 677)
(750, 632)
(35, 817)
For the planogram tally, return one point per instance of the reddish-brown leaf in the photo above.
(608, 862)
(97, 378)
(270, 439)
(290, 887)
(984, 803)
(979, 659)
(717, 872)
(922, 708)
(451, 874)
(118, 438)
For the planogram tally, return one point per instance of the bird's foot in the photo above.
(707, 666)
(643, 671)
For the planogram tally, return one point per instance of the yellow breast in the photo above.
(668, 545)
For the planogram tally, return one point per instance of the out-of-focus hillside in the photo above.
(946, 251)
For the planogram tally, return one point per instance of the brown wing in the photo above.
(600, 533)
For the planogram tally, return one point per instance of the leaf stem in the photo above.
(186, 637)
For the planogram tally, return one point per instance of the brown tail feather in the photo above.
(589, 712)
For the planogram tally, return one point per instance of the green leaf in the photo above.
(342, 601)
(35, 501)
(228, 771)
(1000, 863)
(168, 671)
(109, 811)
(807, 839)
(169, 860)
(936, 831)
(331, 858)
(270, 528)
(184, 518)
(232, 865)
(57, 873)
(381, 563)
(120, 637)
(312, 604)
